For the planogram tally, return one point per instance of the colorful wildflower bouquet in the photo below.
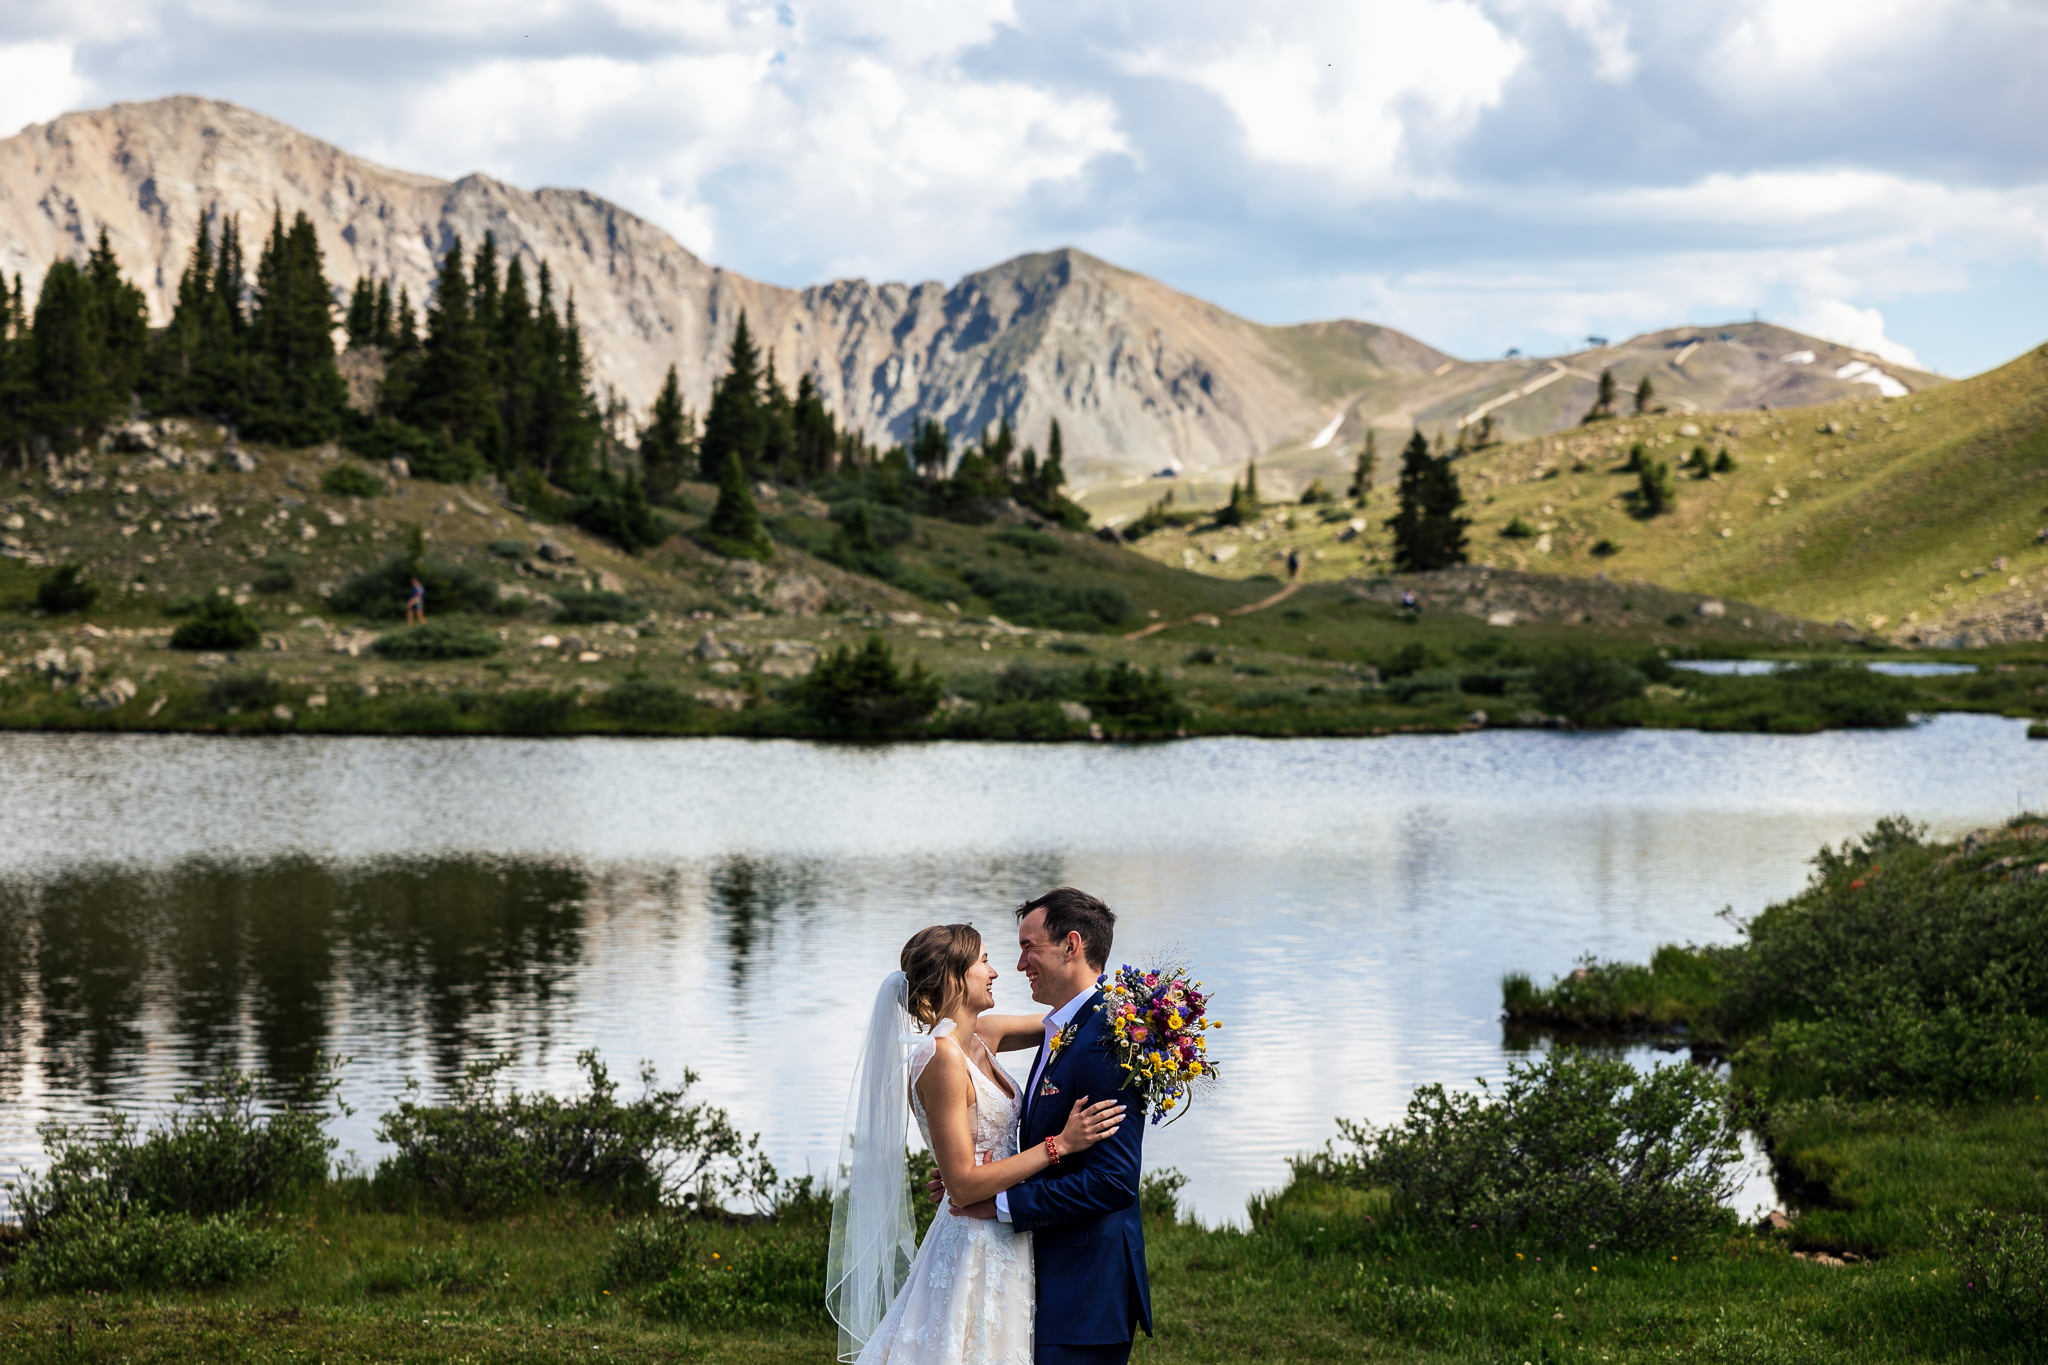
(1158, 1033)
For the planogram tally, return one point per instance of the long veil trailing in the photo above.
(874, 1228)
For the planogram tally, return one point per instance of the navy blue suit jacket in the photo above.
(1082, 1213)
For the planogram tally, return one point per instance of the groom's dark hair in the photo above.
(1068, 911)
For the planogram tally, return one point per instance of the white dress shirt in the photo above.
(1054, 1022)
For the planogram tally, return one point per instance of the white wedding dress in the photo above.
(970, 1296)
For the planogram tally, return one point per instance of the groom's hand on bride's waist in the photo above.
(985, 1209)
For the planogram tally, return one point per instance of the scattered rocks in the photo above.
(1710, 609)
(709, 650)
(554, 552)
(240, 461)
(62, 669)
(798, 594)
(1076, 712)
(724, 668)
(1223, 554)
(114, 695)
(1501, 618)
(607, 581)
(399, 468)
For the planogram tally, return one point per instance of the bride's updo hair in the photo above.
(935, 964)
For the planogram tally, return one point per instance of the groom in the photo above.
(1087, 1237)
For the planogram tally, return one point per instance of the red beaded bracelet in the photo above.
(1052, 1152)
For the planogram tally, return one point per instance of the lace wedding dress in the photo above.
(969, 1299)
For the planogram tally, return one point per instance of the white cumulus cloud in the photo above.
(38, 81)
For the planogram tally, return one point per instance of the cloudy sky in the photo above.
(1482, 173)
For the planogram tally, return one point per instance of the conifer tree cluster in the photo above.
(773, 435)
(69, 364)
(1428, 531)
(498, 378)
(257, 355)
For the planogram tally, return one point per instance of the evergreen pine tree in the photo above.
(1027, 467)
(665, 444)
(383, 332)
(1603, 404)
(1000, 450)
(361, 324)
(778, 426)
(406, 333)
(451, 393)
(734, 527)
(1645, 393)
(1428, 532)
(122, 320)
(1363, 472)
(1052, 475)
(296, 394)
(931, 451)
(577, 426)
(732, 424)
(516, 368)
(817, 436)
(67, 359)
(1251, 484)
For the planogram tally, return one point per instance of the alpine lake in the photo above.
(171, 904)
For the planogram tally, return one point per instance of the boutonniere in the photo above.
(1061, 1039)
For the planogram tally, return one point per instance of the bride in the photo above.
(965, 1296)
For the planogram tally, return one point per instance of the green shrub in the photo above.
(869, 526)
(105, 1251)
(1574, 1149)
(64, 592)
(1580, 685)
(1604, 548)
(1202, 654)
(1030, 540)
(584, 608)
(864, 692)
(761, 1282)
(1028, 682)
(2002, 1261)
(647, 1249)
(1518, 529)
(1410, 658)
(278, 573)
(1655, 492)
(508, 549)
(620, 514)
(488, 1148)
(1050, 606)
(380, 593)
(186, 603)
(534, 711)
(643, 701)
(1159, 1192)
(217, 624)
(350, 480)
(243, 691)
(217, 1152)
(1134, 700)
(1843, 695)
(437, 639)
(1897, 1048)
(426, 455)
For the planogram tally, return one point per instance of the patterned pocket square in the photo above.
(1047, 1089)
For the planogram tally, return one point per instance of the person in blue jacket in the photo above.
(1087, 1238)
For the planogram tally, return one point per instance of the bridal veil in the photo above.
(874, 1227)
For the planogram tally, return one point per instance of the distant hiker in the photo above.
(1408, 603)
(416, 604)
(1294, 563)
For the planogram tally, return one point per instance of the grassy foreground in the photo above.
(1310, 1281)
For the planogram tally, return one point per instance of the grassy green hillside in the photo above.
(1912, 517)
(540, 627)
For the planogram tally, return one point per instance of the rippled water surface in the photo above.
(728, 906)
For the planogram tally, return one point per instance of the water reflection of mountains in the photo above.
(246, 963)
